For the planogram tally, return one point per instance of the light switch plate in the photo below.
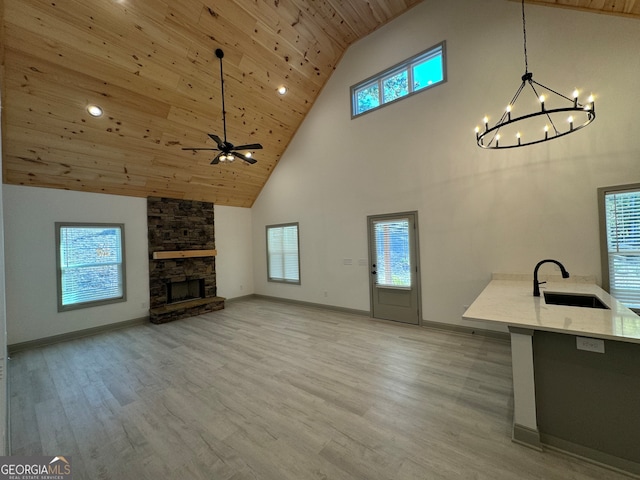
(590, 344)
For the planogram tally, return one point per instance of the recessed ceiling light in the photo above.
(282, 90)
(94, 110)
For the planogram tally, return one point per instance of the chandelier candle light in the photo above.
(552, 106)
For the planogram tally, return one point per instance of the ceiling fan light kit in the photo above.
(506, 134)
(228, 151)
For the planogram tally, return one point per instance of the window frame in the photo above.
(407, 65)
(604, 244)
(283, 280)
(123, 273)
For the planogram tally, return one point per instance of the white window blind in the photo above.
(393, 259)
(622, 210)
(90, 265)
(283, 259)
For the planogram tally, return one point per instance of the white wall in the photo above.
(234, 262)
(29, 217)
(479, 211)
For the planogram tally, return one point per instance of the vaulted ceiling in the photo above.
(150, 65)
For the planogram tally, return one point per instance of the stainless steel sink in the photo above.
(574, 300)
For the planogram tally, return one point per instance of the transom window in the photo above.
(90, 264)
(413, 75)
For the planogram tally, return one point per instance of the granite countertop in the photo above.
(510, 301)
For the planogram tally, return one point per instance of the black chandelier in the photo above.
(553, 108)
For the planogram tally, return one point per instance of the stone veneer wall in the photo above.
(178, 225)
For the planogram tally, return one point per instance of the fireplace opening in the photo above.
(185, 291)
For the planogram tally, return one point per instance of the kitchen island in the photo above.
(576, 370)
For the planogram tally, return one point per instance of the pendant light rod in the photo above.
(220, 55)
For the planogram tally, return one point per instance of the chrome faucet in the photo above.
(536, 284)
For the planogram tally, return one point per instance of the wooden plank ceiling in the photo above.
(150, 65)
(627, 8)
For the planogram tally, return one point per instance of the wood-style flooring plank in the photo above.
(272, 391)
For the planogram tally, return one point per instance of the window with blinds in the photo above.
(283, 255)
(620, 212)
(393, 258)
(90, 265)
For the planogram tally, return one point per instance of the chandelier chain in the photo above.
(524, 35)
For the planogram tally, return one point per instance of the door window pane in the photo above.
(393, 260)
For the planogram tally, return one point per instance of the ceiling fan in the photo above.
(228, 151)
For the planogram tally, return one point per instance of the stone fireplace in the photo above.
(182, 268)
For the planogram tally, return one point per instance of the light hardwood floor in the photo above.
(266, 390)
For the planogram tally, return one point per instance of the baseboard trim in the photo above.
(41, 342)
(63, 337)
(466, 330)
(241, 298)
(352, 311)
(527, 437)
(602, 459)
(425, 323)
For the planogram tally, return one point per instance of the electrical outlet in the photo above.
(590, 344)
(326, 294)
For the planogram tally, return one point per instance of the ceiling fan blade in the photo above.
(216, 160)
(217, 139)
(250, 160)
(251, 146)
(197, 148)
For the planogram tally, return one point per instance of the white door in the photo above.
(394, 279)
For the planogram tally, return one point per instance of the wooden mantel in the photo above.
(183, 254)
